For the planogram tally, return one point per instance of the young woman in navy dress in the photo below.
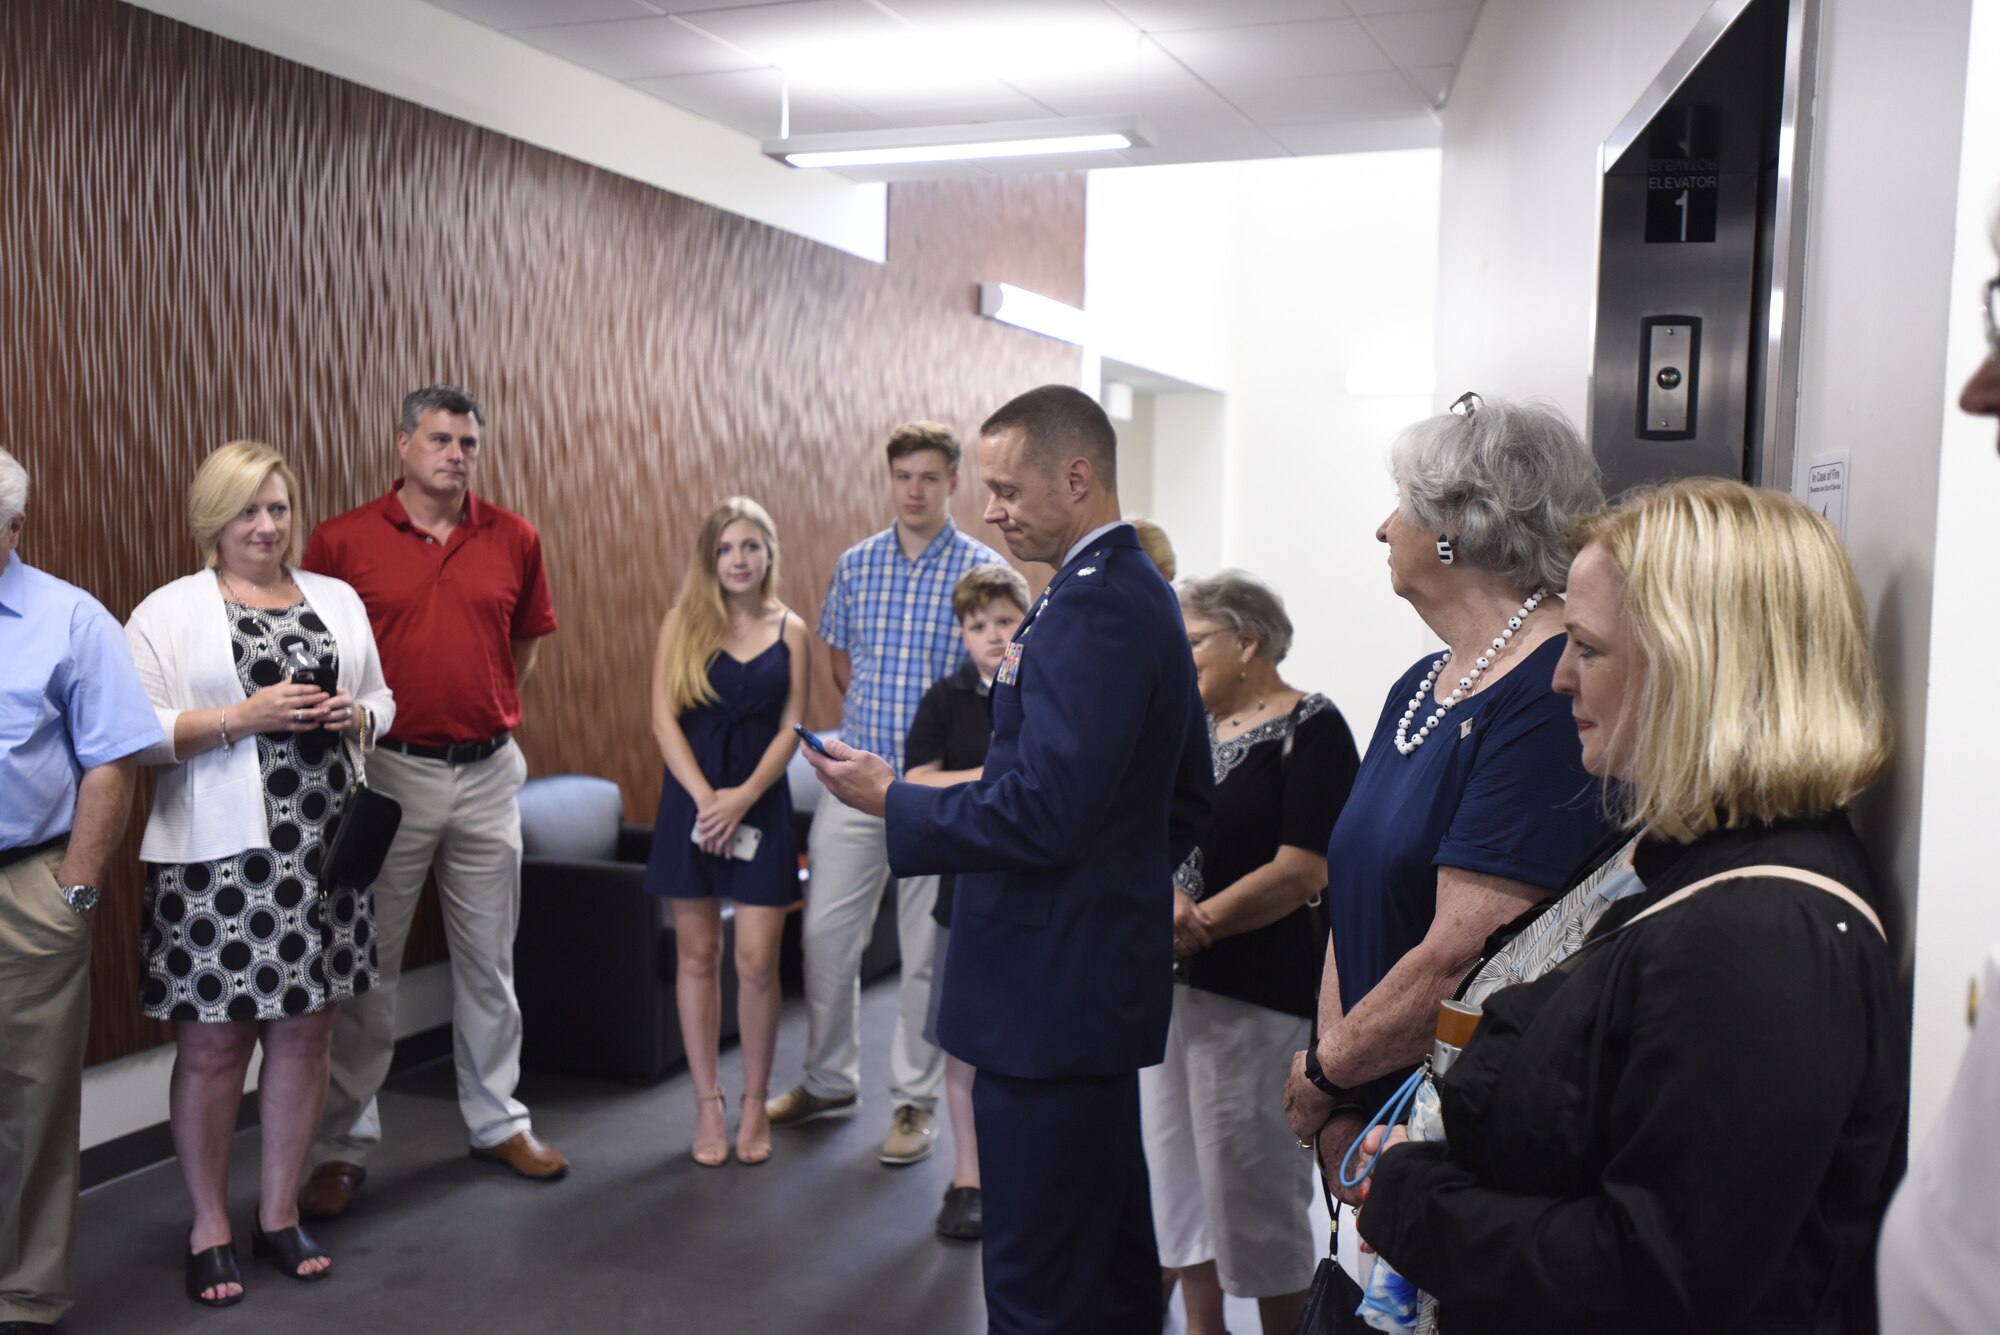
(729, 681)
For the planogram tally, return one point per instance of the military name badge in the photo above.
(1010, 666)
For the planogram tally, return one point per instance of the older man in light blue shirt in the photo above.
(72, 717)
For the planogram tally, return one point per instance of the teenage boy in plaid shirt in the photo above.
(889, 621)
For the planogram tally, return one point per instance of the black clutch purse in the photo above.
(367, 827)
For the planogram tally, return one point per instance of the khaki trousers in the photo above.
(850, 869)
(44, 1018)
(464, 821)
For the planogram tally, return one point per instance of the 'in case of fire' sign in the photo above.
(1683, 151)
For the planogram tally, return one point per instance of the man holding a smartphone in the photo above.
(1097, 785)
(459, 601)
(889, 622)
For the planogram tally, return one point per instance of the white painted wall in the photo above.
(1542, 83)
(1158, 244)
(1265, 280)
(441, 60)
(1877, 307)
(1958, 912)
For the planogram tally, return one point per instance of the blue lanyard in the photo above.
(1391, 1114)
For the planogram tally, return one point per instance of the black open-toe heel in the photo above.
(287, 1249)
(211, 1270)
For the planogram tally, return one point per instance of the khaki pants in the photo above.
(850, 867)
(464, 821)
(44, 1018)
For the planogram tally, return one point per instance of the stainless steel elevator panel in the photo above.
(1696, 247)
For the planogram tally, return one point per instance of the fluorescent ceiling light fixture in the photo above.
(962, 143)
(1032, 311)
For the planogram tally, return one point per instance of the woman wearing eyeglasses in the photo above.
(1472, 803)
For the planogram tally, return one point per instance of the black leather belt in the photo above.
(458, 753)
(10, 856)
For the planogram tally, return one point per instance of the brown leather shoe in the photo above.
(526, 1155)
(330, 1189)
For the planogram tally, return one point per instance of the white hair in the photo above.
(13, 489)
(1505, 482)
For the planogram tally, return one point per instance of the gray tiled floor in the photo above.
(822, 1239)
(637, 1238)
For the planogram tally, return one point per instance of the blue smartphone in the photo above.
(806, 736)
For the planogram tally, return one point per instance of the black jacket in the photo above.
(1693, 1128)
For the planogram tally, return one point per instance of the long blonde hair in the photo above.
(701, 622)
(1760, 699)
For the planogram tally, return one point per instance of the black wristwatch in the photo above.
(1318, 1077)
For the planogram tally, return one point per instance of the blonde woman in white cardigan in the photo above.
(242, 942)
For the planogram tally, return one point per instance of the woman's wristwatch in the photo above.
(1317, 1077)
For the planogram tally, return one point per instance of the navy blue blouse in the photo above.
(1498, 787)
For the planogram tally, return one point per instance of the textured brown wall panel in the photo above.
(200, 242)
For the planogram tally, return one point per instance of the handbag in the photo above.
(1332, 1300)
(360, 844)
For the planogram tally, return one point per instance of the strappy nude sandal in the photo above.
(710, 1154)
(753, 1151)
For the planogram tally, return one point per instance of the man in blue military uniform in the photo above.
(1059, 978)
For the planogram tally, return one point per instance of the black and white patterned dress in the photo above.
(249, 937)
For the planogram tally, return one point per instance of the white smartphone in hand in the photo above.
(743, 847)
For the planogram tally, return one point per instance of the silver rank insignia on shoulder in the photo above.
(1087, 570)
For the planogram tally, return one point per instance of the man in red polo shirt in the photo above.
(456, 592)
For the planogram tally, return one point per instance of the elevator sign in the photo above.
(1826, 488)
(1683, 174)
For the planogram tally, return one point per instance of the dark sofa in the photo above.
(594, 958)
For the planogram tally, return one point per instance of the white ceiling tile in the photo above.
(1032, 41)
(637, 48)
(978, 113)
(747, 100)
(1374, 136)
(1214, 79)
(1226, 56)
(1165, 110)
(1435, 80)
(806, 29)
(1433, 38)
(695, 6)
(504, 14)
(1332, 98)
(1112, 86)
(1004, 13)
(920, 89)
(1368, 7)
(1179, 15)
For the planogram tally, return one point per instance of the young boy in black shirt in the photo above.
(947, 745)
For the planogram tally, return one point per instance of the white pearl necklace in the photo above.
(1406, 743)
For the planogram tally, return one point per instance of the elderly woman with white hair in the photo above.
(1472, 803)
(267, 684)
(1231, 1195)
